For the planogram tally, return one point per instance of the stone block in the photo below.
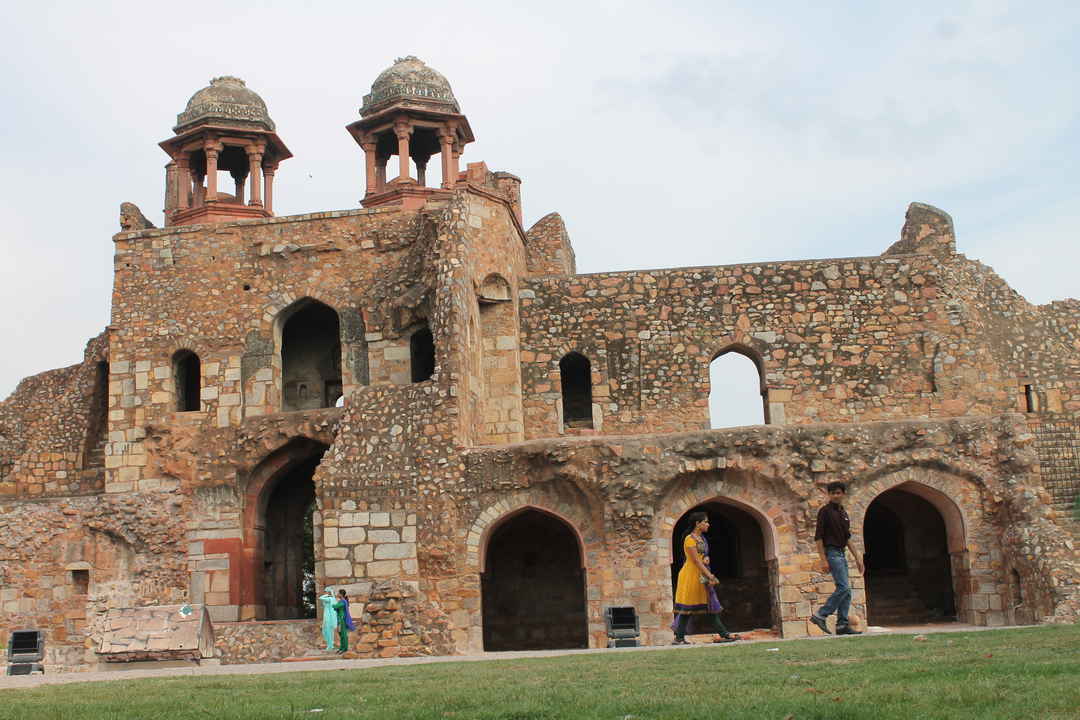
(338, 568)
(380, 519)
(796, 629)
(395, 551)
(383, 536)
(352, 535)
(384, 568)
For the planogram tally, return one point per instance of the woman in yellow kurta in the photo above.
(693, 587)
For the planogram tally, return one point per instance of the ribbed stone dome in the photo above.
(410, 79)
(228, 100)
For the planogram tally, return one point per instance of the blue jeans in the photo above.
(840, 601)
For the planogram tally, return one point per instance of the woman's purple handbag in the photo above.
(714, 602)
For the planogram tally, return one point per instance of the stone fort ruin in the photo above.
(423, 402)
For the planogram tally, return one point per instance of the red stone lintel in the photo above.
(217, 212)
(408, 196)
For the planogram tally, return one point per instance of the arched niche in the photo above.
(308, 335)
(912, 536)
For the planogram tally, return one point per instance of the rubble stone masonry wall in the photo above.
(917, 370)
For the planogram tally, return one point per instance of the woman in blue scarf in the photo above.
(344, 620)
(329, 617)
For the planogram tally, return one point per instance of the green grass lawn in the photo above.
(1032, 673)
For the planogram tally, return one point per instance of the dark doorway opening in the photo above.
(908, 570)
(289, 555)
(187, 374)
(422, 354)
(533, 587)
(737, 559)
(576, 373)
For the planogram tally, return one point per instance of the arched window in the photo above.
(422, 354)
(737, 393)
(311, 356)
(187, 374)
(576, 375)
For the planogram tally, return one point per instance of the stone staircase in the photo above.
(892, 600)
(92, 475)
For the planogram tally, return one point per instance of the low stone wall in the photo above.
(393, 622)
(267, 641)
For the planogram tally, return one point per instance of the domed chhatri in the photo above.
(225, 128)
(410, 79)
(228, 100)
(412, 113)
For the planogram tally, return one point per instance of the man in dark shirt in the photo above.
(833, 537)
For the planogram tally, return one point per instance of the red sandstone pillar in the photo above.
(371, 175)
(172, 187)
(238, 180)
(268, 178)
(402, 129)
(254, 153)
(455, 170)
(183, 181)
(198, 195)
(380, 171)
(421, 172)
(211, 171)
(446, 141)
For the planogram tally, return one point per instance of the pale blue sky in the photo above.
(666, 134)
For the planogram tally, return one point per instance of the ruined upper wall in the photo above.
(917, 332)
(50, 427)
(927, 231)
(836, 340)
(549, 249)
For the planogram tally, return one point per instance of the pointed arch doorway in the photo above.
(279, 532)
(909, 568)
(533, 585)
(738, 559)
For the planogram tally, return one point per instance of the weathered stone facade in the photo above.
(516, 444)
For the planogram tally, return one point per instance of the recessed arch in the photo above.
(738, 393)
(738, 557)
(955, 498)
(494, 289)
(527, 550)
(908, 558)
(279, 495)
(308, 338)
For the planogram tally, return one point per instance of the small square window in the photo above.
(81, 580)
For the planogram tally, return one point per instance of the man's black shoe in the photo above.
(847, 630)
(820, 622)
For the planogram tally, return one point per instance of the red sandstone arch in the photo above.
(259, 485)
